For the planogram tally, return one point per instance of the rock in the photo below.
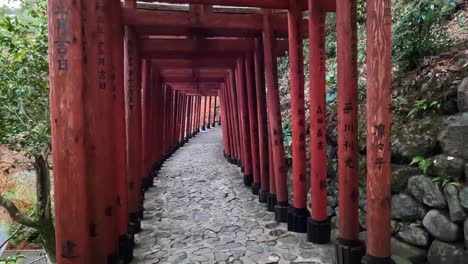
(400, 260)
(449, 106)
(405, 207)
(400, 176)
(462, 96)
(444, 253)
(465, 228)
(453, 136)
(446, 167)
(417, 138)
(463, 195)
(425, 191)
(405, 250)
(414, 236)
(455, 209)
(439, 226)
(362, 219)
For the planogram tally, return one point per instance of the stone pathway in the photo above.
(200, 212)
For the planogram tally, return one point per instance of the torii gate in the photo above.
(130, 84)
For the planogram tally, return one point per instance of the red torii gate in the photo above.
(126, 91)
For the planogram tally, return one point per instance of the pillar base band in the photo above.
(239, 163)
(349, 252)
(113, 259)
(213, 125)
(262, 196)
(318, 232)
(203, 128)
(297, 219)
(368, 259)
(281, 212)
(242, 169)
(135, 222)
(125, 249)
(271, 202)
(208, 126)
(255, 188)
(248, 180)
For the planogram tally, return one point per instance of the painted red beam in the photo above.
(272, 4)
(190, 79)
(188, 45)
(217, 63)
(175, 23)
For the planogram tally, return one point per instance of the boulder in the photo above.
(425, 191)
(463, 195)
(444, 253)
(439, 226)
(405, 207)
(462, 96)
(400, 176)
(465, 228)
(405, 250)
(414, 236)
(416, 138)
(447, 167)
(452, 137)
(456, 211)
(400, 260)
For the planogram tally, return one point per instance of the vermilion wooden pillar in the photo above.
(117, 70)
(253, 123)
(231, 125)
(318, 225)
(274, 118)
(132, 89)
(379, 85)
(262, 121)
(271, 197)
(213, 124)
(236, 119)
(205, 102)
(349, 248)
(298, 213)
(189, 118)
(244, 122)
(208, 125)
(146, 108)
(69, 156)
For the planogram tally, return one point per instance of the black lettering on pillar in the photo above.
(62, 40)
(68, 250)
(131, 46)
(101, 43)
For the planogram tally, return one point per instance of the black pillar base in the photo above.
(208, 126)
(213, 125)
(281, 212)
(203, 128)
(242, 169)
(297, 219)
(271, 202)
(376, 260)
(239, 163)
(248, 180)
(318, 232)
(255, 188)
(349, 252)
(262, 196)
(125, 249)
(135, 222)
(113, 259)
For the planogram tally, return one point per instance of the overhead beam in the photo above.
(189, 79)
(217, 63)
(190, 45)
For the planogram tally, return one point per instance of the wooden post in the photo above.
(222, 112)
(318, 225)
(244, 122)
(349, 248)
(67, 115)
(298, 213)
(253, 123)
(271, 196)
(214, 111)
(209, 113)
(117, 83)
(274, 118)
(132, 82)
(205, 101)
(262, 121)
(236, 119)
(146, 105)
(379, 94)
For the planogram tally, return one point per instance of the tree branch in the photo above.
(15, 213)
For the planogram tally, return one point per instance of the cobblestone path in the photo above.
(200, 212)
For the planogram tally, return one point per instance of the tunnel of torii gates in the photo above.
(130, 84)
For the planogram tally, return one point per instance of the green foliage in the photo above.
(442, 182)
(421, 162)
(12, 259)
(422, 106)
(24, 104)
(287, 140)
(418, 29)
